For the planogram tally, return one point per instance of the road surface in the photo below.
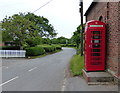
(40, 74)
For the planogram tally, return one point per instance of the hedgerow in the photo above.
(35, 51)
(42, 49)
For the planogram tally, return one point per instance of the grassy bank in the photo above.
(76, 65)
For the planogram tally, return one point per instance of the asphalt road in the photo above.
(40, 74)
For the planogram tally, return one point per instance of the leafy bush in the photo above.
(58, 47)
(51, 48)
(41, 49)
(10, 47)
(0, 47)
(71, 45)
(63, 45)
(48, 48)
(34, 51)
(68, 45)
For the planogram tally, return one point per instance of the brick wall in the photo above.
(119, 43)
(109, 12)
(98, 10)
(113, 38)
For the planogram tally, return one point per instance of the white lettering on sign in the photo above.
(96, 25)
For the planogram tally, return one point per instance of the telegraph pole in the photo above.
(81, 15)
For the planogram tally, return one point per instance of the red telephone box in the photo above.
(95, 36)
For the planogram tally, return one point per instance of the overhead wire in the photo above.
(43, 6)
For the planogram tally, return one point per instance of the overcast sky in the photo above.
(63, 14)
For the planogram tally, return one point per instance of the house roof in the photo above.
(90, 8)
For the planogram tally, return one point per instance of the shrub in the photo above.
(71, 45)
(49, 48)
(34, 51)
(63, 45)
(10, 48)
(41, 49)
(0, 47)
(68, 45)
(58, 47)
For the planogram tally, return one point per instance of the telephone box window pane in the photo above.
(96, 32)
(95, 54)
(96, 58)
(96, 50)
(96, 37)
(96, 41)
(96, 63)
(96, 46)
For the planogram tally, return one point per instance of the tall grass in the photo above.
(76, 65)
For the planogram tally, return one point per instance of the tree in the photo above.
(62, 40)
(54, 41)
(76, 36)
(44, 28)
(46, 41)
(0, 34)
(18, 29)
(26, 29)
(33, 41)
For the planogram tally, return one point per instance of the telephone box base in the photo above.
(98, 77)
(95, 70)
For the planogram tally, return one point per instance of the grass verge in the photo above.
(76, 65)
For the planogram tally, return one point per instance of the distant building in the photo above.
(9, 43)
(109, 12)
(1, 44)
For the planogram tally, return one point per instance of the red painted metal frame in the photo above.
(95, 37)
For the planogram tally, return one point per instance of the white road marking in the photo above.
(64, 82)
(32, 69)
(64, 85)
(9, 81)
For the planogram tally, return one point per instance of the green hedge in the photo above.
(10, 48)
(51, 48)
(58, 47)
(35, 51)
(68, 45)
(41, 49)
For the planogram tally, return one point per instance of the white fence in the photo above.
(12, 53)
